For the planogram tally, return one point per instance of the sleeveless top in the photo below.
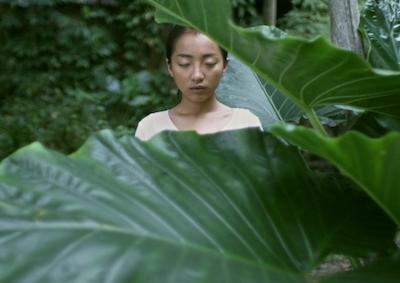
(157, 122)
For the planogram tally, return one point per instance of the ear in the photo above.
(226, 65)
(169, 68)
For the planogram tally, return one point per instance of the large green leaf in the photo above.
(290, 112)
(233, 207)
(380, 23)
(244, 88)
(380, 28)
(372, 163)
(240, 87)
(311, 73)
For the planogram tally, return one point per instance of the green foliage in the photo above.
(350, 153)
(233, 207)
(60, 122)
(380, 26)
(46, 50)
(64, 121)
(240, 87)
(70, 69)
(245, 12)
(308, 19)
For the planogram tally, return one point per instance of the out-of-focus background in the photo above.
(72, 67)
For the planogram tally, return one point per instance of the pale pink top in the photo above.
(157, 122)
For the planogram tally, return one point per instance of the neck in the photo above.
(187, 107)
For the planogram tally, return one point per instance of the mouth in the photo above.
(197, 87)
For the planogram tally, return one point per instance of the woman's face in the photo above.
(196, 65)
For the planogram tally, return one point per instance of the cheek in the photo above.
(216, 76)
(176, 72)
(180, 78)
(180, 75)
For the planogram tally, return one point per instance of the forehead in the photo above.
(195, 44)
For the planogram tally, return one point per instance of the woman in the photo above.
(196, 64)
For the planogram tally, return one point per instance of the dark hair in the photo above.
(173, 36)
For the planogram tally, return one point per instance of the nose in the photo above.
(197, 74)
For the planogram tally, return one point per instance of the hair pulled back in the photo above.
(173, 36)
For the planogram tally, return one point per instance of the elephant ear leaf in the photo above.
(311, 74)
(380, 26)
(373, 163)
(237, 206)
(240, 87)
(380, 30)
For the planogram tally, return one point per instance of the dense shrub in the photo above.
(246, 12)
(308, 18)
(70, 69)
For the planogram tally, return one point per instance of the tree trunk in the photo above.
(345, 18)
(269, 12)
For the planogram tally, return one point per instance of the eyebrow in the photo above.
(183, 55)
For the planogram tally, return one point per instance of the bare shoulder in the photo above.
(152, 124)
(244, 113)
(243, 118)
(155, 116)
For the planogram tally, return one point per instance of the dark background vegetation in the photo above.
(69, 68)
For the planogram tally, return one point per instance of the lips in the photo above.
(198, 87)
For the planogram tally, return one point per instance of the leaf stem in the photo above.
(315, 123)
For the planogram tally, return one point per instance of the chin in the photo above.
(200, 97)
